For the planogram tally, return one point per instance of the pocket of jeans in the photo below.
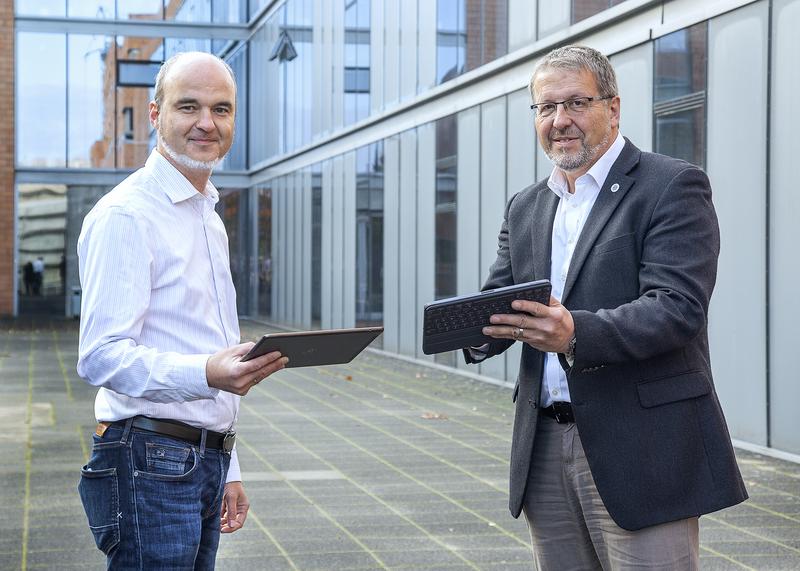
(167, 462)
(100, 498)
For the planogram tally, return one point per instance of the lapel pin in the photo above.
(614, 187)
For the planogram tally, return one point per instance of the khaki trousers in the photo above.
(570, 527)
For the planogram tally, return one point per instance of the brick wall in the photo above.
(7, 190)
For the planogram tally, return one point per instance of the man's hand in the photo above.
(234, 508)
(225, 370)
(548, 328)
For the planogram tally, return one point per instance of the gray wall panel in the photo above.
(338, 64)
(306, 254)
(376, 39)
(409, 43)
(634, 69)
(337, 292)
(326, 278)
(298, 249)
(521, 23)
(391, 52)
(349, 242)
(553, 16)
(391, 245)
(492, 199)
(426, 224)
(736, 165)
(784, 231)
(427, 45)
(408, 242)
(468, 205)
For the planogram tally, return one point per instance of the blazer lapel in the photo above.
(542, 216)
(614, 189)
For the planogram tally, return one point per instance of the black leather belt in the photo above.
(181, 431)
(561, 412)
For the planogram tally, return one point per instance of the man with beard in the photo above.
(160, 337)
(619, 440)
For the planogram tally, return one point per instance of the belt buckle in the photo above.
(228, 441)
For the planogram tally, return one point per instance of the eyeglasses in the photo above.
(574, 106)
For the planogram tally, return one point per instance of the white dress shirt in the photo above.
(571, 215)
(158, 300)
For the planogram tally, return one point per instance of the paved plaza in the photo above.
(381, 464)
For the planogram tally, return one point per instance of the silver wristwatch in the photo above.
(569, 354)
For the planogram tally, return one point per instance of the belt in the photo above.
(561, 412)
(173, 428)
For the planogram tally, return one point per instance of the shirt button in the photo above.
(554, 392)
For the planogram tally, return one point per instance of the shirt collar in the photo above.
(176, 186)
(598, 171)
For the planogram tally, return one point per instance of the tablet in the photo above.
(313, 348)
(458, 322)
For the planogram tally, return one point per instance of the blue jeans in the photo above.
(153, 502)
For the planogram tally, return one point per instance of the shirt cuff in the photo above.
(193, 369)
(234, 473)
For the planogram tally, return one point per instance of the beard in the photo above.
(185, 160)
(581, 158)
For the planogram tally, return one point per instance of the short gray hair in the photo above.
(167, 65)
(577, 58)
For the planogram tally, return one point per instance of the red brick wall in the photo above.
(7, 189)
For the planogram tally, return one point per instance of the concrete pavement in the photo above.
(381, 464)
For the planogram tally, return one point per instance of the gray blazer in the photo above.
(638, 289)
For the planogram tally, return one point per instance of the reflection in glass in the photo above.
(39, 7)
(86, 80)
(188, 11)
(232, 208)
(316, 245)
(369, 235)
(264, 255)
(680, 63)
(356, 60)
(469, 34)
(41, 125)
(101, 9)
(682, 135)
(237, 156)
(141, 9)
(582, 9)
(133, 136)
(446, 192)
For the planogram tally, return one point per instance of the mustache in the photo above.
(571, 133)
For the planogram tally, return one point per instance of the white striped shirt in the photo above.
(158, 300)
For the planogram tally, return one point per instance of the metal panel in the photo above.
(338, 241)
(553, 16)
(521, 23)
(408, 242)
(467, 205)
(391, 244)
(298, 249)
(634, 69)
(305, 256)
(426, 62)
(426, 225)
(376, 40)
(736, 165)
(784, 272)
(326, 270)
(492, 199)
(408, 50)
(338, 64)
(319, 95)
(391, 54)
(349, 242)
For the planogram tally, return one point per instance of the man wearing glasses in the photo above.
(619, 440)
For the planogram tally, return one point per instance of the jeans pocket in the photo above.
(100, 498)
(166, 459)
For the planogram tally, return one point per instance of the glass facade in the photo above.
(221, 11)
(679, 93)
(446, 212)
(369, 235)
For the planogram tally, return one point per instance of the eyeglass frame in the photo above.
(535, 106)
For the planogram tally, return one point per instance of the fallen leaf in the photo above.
(348, 378)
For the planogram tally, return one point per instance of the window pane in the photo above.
(40, 7)
(189, 11)
(131, 127)
(682, 135)
(100, 9)
(232, 209)
(357, 60)
(450, 39)
(446, 189)
(369, 235)
(495, 30)
(680, 67)
(91, 89)
(41, 100)
(140, 10)
(237, 156)
(316, 244)
(265, 251)
(582, 9)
